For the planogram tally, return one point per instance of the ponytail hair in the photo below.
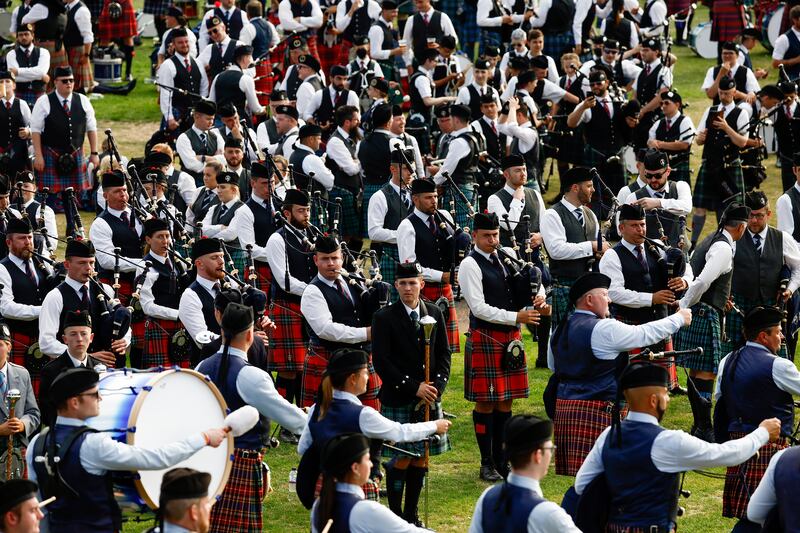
(327, 499)
(325, 392)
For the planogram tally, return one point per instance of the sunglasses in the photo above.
(67, 81)
(654, 175)
(213, 31)
(95, 394)
(596, 82)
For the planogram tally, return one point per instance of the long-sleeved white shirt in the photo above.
(751, 84)
(42, 108)
(447, 29)
(783, 208)
(83, 20)
(784, 373)
(582, 8)
(625, 191)
(525, 132)
(313, 163)
(515, 211)
(187, 154)
(485, 8)
(101, 234)
(407, 243)
(276, 257)
(687, 129)
(248, 86)
(679, 206)
(343, 17)
(190, 308)
(225, 233)
(376, 213)
(34, 73)
(148, 300)
(289, 24)
(338, 153)
(166, 76)
(305, 93)
(459, 149)
(719, 261)
(376, 41)
(765, 498)
(316, 100)
(741, 121)
(204, 59)
(554, 236)
(316, 312)
(204, 37)
(470, 278)
(9, 308)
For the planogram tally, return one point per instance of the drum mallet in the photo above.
(12, 396)
(427, 322)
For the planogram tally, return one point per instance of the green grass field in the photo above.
(454, 483)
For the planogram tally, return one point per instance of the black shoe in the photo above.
(678, 391)
(288, 437)
(704, 433)
(488, 473)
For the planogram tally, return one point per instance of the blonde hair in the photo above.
(164, 148)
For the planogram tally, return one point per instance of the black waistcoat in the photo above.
(164, 292)
(432, 249)
(189, 81)
(64, 132)
(343, 310)
(636, 279)
(495, 142)
(420, 32)
(10, 123)
(669, 222)
(375, 155)
(228, 91)
(756, 277)
(301, 264)
(575, 233)
(603, 133)
(218, 60)
(340, 177)
(395, 211)
(497, 292)
(25, 292)
(72, 36)
(531, 209)
(26, 62)
(646, 86)
(234, 24)
(718, 145)
(123, 237)
(264, 223)
(720, 289)
(359, 23)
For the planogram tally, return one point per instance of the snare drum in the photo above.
(700, 41)
(189, 8)
(265, 81)
(108, 70)
(154, 408)
(771, 27)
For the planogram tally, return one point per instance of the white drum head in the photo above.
(774, 25)
(703, 45)
(179, 404)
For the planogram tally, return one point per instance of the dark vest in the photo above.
(787, 131)
(672, 134)
(340, 177)
(417, 104)
(264, 223)
(794, 196)
(62, 131)
(420, 32)
(639, 280)
(12, 120)
(345, 311)
(497, 292)
(531, 157)
(575, 233)
(208, 307)
(375, 155)
(575, 88)
(301, 265)
(718, 145)
(787, 477)
(467, 170)
(293, 82)
(531, 208)
(72, 302)
(52, 28)
(303, 182)
(495, 142)
(300, 10)
(647, 21)
(792, 52)
(198, 146)
(396, 211)
(359, 23)
(197, 206)
(669, 222)
(432, 250)
(506, 508)
(72, 36)
(475, 102)
(263, 36)
(756, 277)
(164, 293)
(234, 24)
(228, 91)
(328, 105)
(218, 60)
(619, 31)
(227, 218)
(740, 78)
(21, 12)
(177, 199)
(123, 237)
(25, 292)
(647, 85)
(189, 81)
(603, 133)
(26, 62)
(343, 503)
(720, 289)
(581, 375)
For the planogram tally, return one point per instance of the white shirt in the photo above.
(225, 233)
(465, 96)
(582, 8)
(42, 108)
(101, 234)
(9, 308)
(687, 130)
(784, 373)
(190, 308)
(245, 226)
(470, 277)
(187, 154)
(313, 163)
(407, 243)
(376, 213)
(276, 257)
(286, 146)
(526, 133)
(781, 46)
(485, 8)
(408, 142)
(675, 451)
(204, 37)
(424, 84)
(247, 85)
(719, 261)
(83, 20)
(316, 312)
(166, 76)
(679, 206)
(629, 69)
(664, 76)
(458, 150)
(555, 237)
(34, 73)
(547, 517)
(764, 498)
(515, 211)
(338, 152)
(204, 59)
(186, 186)
(625, 191)
(658, 14)
(316, 99)
(751, 86)
(783, 208)
(147, 298)
(305, 93)
(343, 17)
(587, 113)
(512, 53)
(376, 41)
(287, 22)
(447, 29)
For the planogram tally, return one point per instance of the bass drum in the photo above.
(700, 41)
(772, 27)
(149, 409)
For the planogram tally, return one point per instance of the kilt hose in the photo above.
(81, 69)
(705, 331)
(348, 215)
(669, 364)
(408, 414)
(576, 426)
(57, 182)
(388, 261)
(432, 292)
(58, 58)
(560, 300)
(461, 219)
(314, 370)
(485, 380)
(726, 20)
(707, 193)
(287, 344)
(263, 279)
(158, 334)
(239, 509)
(556, 44)
(734, 322)
(28, 95)
(110, 29)
(20, 342)
(369, 190)
(741, 480)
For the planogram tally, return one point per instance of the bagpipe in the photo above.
(374, 293)
(525, 278)
(530, 256)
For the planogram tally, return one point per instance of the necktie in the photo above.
(125, 219)
(579, 215)
(188, 65)
(431, 224)
(168, 264)
(405, 198)
(66, 106)
(207, 200)
(667, 123)
(227, 16)
(757, 242)
(216, 288)
(496, 263)
(28, 53)
(647, 70)
(85, 297)
(219, 47)
(608, 109)
(788, 112)
(340, 287)
(640, 257)
(425, 18)
(494, 128)
(203, 140)
(568, 84)
(2, 385)
(29, 271)
(222, 210)
(414, 319)
(8, 105)
(658, 194)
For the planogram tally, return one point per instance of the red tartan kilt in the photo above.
(434, 291)
(157, 341)
(264, 278)
(311, 42)
(668, 364)
(314, 369)
(736, 494)
(239, 507)
(726, 21)
(371, 489)
(344, 52)
(137, 333)
(125, 288)
(484, 378)
(329, 56)
(124, 26)
(287, 344)
(20, 343)
(576, 426)
(82, 71)
(266, 83)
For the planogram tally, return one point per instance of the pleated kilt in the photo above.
(349, 219)
(158, 334)
(330, 55)
(369, 190)
(461, 217)
(110, 29)
(311, 43)
(408, 414)
(239, 507)
(704, 331)
(737, 491)
(125, 288)
(50, 176)
(576, 426)
(263, 277)
(372, 489)
(555, 44)
(560, 299)
(734, 322)
(156, 7)
(388, 262)
(20, 342)
(58, 58)
(707, 194)
(726, 20)
(485, 380)
(82, 70)
(29, 95)
(432, 292)
(669, 364)
(239, 258)
(344, 52)
(287, 342)
(314, 367)
(467, 26)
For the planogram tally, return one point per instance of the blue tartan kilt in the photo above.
(348, 216)
(407, 414)
(29, 95)
(707, 192)
(705, 331)
(462, 213)
(734, 322)
(560, 300)
(50, 176)
(156, 7)
(556, 44)
(369, 190)
(489, 38)
(239, 258)
(466, 24)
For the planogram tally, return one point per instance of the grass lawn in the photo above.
(454, 481)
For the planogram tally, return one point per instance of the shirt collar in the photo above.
(342, 132)
(68, 421)
(408, 309)
(637, 416)
(797, 186)
(207, 284)
(422, 216)
(4, 371)
(344, 395)
(160, 258)
(568, 205)
(237, 352)
(76, 285)
(763, 233)
(328, 282)
(728, 236)
(631, 247)
(511, 191)
(78, 362)
(484, 254)
(349, 488)
(525, 482)
(117, 213)
(17, 260)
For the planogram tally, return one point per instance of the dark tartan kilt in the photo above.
(369, 190)
(570, 147)
(349, 218)
(156, 7)
(737, 492)
(287, 343)
(707, 193)
(467, 26)
(726, 20)
(81, 70)
(704, 331)
(263, 278)
(484, 378)
(681, 172)
(388, 262)
(239, 507)
(50, 177)
(674, 6)
(314, 369)
(239, 258)
(471, 193)
(560, 300)
(58, 58)
(158, 334)
(734, 323)
(29, 95)
(390, 70)
(661, 346)
(125, 288)
(432, 292)
(20, 342)
(372, 489)
(576, 426)
(110, 29)
(408, 414)
(137, 333)
(555, 44)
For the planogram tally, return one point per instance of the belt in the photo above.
(247, 454)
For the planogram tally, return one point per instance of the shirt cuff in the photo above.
(762, 435)
(197, 441)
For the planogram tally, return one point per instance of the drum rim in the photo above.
(133, 415)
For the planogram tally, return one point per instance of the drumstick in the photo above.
(328, 526)
(47, 502)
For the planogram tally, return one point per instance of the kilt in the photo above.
(314, 369)
(681, 172)
(388, 261)
(734, 322)
(58, 58)
(238, 509)
(369, 190)
(349, 219)
(726, 20)
(372, 489)
(576, 426)
(390, 70)
(125, 287)
(489, 38)
(669, 364)
(157, 343)
(287, 343)
(407, 414)
(84, 75)
(560, 299)
(707, 193)
(467, 28)
(471, 193)
(555, 44)
(329, 55)
(110, 29)
(263, 278)
(737, 492)
(29, 95)
(432, 292)
(704, 331)
(50, 177)
(484, 378)
(344, 52)
(20, 342)
(156, 7)
(311, 43)
(239, 258)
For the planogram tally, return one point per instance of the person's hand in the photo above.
(631, 121)
(445, 277)
(11, 426)
(442, 425)
(507, 19)
(119, 345)
(720, 124)
(677, 284)
(761, 73)
(649, 203)
(215, 436)
(258, 334)
(654, 143)
(539, 301)
(528, 316)
(663, 297)
(728, 305)
(750, 98)
(24, 133)
(95, 160)
(267, 324)
(701, 136)
(786, 295)
(46, 79)
(686, 314)
(590, 102)
(369, 333)
(400, 50)
(773, 427)
(528, 15)
(427, 393)
(432, 169)
(536, 239)
(578, 49)
(513, 103)
(38, 163)
(172, 124)
(107, 358)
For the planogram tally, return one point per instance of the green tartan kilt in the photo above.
(348, 215)
(407, 414)
(390, 70)
(734, 323)
(389, 259)
(705, 331)
(707, 191)
(369, 190)
(471, 192)
(239, 258)
(681, 172)
(560, 300)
